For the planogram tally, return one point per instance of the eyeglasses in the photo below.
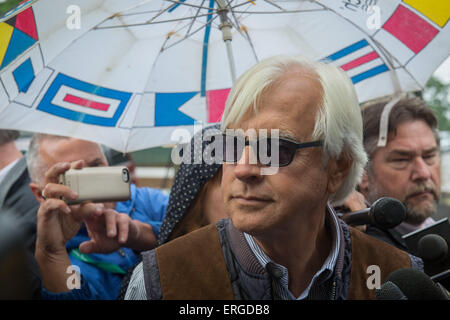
(233, 147)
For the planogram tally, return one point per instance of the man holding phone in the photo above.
(69, 234)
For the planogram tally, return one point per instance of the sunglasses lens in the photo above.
(232, 149)
(285, 153)
(276, 159)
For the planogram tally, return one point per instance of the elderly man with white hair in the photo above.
(282, 239)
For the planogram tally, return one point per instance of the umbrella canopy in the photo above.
(128, 73)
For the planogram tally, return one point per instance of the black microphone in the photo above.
(410, 284)
(389, 291)
(432, 248)
(385, 213)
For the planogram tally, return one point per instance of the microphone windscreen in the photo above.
(432, 248)
(416, 285)
(388, 212)
(389, 291)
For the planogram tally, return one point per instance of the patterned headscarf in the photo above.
(189, 180)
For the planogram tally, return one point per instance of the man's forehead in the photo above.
(290, 107)
(279, 129)
(284, 126)
(413, 135)
(68, 150)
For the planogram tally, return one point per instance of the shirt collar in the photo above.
(280, 273)
(405, 227)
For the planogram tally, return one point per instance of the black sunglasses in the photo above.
(233, 146)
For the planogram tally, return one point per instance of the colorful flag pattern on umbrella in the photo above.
(16, 36)
(437, 11)
(413, 31)
(76, 100)
(172, 109)
(147, 76)
(359, 60)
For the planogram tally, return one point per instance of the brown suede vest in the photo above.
(179, 270)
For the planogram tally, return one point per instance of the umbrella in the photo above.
(129, 74)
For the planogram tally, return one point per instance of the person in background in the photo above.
(195, 197)
(69, 235)
(15, 194)
(408, 168)
(19, 273)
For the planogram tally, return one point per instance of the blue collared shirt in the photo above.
(281, 280)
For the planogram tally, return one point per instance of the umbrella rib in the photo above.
(133, 14)
(342, 17)
(161, 12)
(275, 5)
(150, 21)
(236, 22)
(120, 26)
(195, 18)
(283, 10)
(194, 32)
(251, 45)
(240, 4)
(279, 12)
(181, 28)
(242, 32)
(389, 58)
(175, 3)
(188, 4)
(6, 91)
(131, 8)
(153, 22)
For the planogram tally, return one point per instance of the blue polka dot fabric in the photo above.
(192, 174)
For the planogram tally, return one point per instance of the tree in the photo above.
(437, 96)
(6, 5)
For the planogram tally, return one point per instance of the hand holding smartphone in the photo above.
(98, 184)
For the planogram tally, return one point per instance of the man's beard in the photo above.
(417, 214)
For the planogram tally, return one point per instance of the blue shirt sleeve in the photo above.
(150, 207)
(95, 284)
(86, 292)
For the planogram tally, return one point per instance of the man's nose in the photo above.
(247, 168)
(420, 170)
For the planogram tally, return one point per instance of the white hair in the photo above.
(35, 163)
(338, 121)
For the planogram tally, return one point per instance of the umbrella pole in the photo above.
(231, 60)
(225, 27)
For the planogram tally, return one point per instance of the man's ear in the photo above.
(364, 184)
(37, 191)
(338, 170)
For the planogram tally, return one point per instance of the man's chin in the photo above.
(416, 214)
(247, 222)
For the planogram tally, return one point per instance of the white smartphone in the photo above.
(98, 184)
